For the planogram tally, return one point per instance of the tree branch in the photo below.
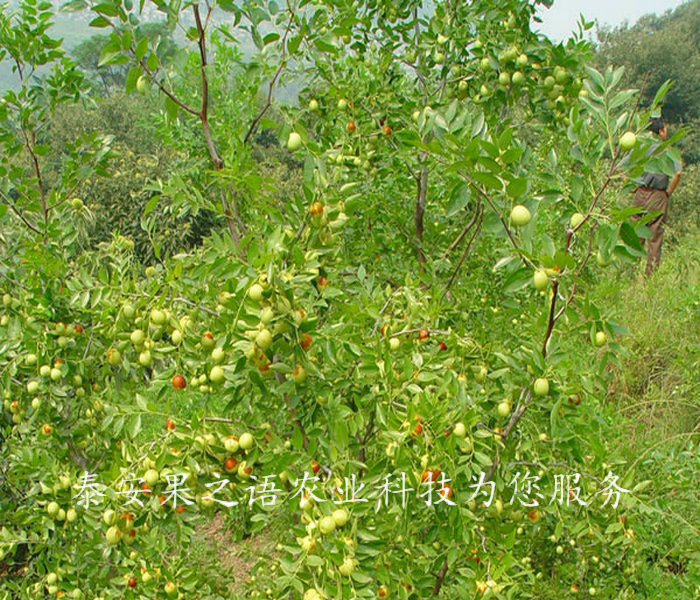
(478, 216)
(29, 143)
(458, 240)
(20, 215)
(273, 81)
(440, 577)
(361, 457)
(421, 200)
(384, 307)
(204, 110)
(486, 197)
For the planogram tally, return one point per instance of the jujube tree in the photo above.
(323, 337)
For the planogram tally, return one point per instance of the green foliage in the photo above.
(110, 78)
(662, 47)
(684, 205)
(25, 115)
(116, 203)
(656, 404)
(283, 324)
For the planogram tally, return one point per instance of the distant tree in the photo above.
(106, 78)
(87, 56)
(664, 47)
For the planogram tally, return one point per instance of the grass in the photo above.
(656, 388)
(655, 401)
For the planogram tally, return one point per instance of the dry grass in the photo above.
(236, 560)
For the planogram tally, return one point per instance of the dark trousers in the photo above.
(652, 201)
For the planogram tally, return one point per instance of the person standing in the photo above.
(652, 195)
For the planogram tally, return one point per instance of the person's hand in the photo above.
(674, 182)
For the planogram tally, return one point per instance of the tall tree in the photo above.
(662, 47)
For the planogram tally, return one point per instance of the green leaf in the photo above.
(112, 58)
(141, 402)
(460, 199)
(297, 439)
(105, 8)
(340, 433)
(151, 204)
(171, 108)
(134, 426)
(517, 187)
(596, 79)
(314, 561)
(630, 238)
(490, 181)
(99, 22)
(141, 48)
(74, 6)
(553, 418)
(361, 577)
(270, 38)
(518, 280)
(152, 62)
(512, 155)
(131, 78)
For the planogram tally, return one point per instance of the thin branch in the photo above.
(418, 73)
(410, 331)
(361, 457)
(384, 307)
(232, 217)
(482, 536)
(273, 81)
(639, 99)
(523, 402)
(204, 110)
(421, 202)
(29, 143)
(13, 282)
(372, 115)
(440, 577)
(488, 200)
(152, 74)
(582, 266)
(458, 240)
(20, 215)
(478, 216)
(553, 314)
(199, 306)
(218, 419)
(550, 320)
(236, 213)
(613, 164)
(19, 69)
(409, 238)
(167, 92)
(279, 378)
(485, 427)
(183, 301)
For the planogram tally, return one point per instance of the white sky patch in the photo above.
(561, 20)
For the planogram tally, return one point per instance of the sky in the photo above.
(560, 20)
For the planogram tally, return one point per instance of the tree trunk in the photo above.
(421, 197)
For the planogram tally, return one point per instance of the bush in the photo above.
(293, 353)
(117, 202)
(684, 205)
